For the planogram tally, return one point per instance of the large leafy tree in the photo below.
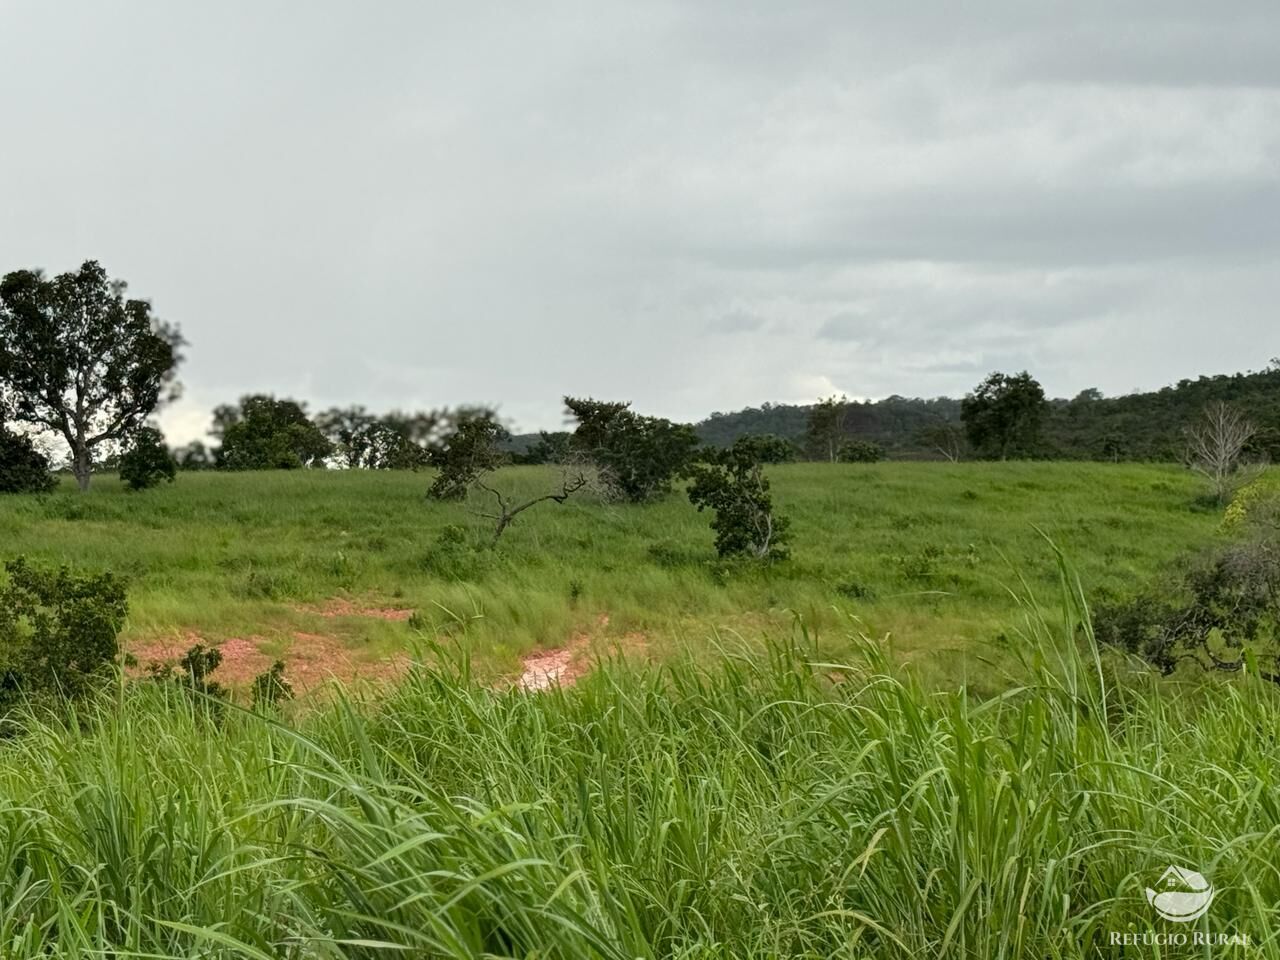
(470, 451)
(637, 457)
(263, 433)
(1003, 415)
(80, 359)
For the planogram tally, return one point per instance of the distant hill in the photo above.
(1137, 426)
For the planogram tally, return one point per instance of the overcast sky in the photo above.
(695, 206)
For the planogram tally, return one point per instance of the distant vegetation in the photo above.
(1138, 426)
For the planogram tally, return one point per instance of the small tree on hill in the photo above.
(79, 359)
(732, 484)
(1215, 449)
(1003, 415)
(264, 433)
(147, 461)
(23, 467)
(826, 426)
(637, 457)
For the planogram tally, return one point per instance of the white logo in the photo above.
(1181, 895)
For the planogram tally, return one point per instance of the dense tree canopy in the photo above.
(1003, 415)
(637, 457)
(79, 359)
(263, 433)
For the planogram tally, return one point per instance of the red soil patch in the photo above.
(339, 607)
(310, 660)
(564, 666)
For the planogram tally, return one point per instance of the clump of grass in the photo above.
(744, 805)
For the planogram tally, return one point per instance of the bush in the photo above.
(860, 451)
(58, 630)
(732, 483)
(147, 461)
(270, 689)
(23, 468)
(1212, 613)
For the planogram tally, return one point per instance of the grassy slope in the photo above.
(923, 551)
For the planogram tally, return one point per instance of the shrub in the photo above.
(23, 468)
(147, 461)
(860, 451)
(270, 689)
(732, 483)
(58, 630)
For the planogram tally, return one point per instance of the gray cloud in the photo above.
(693, 206)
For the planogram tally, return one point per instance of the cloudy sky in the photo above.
(696, 206)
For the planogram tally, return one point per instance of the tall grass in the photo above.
(774, 806)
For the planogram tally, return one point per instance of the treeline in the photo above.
(1137, 426)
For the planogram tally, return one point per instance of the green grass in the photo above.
(919, 551)
(717, 806)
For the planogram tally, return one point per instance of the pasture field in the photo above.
(353, 566)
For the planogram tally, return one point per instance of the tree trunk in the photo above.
(81, 466)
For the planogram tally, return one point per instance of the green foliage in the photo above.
(548, 448)
(195, 456)
(1219, 610)
(733, 485)
(637, 457)
(271, 689)
(58, 630)
(264, 433)
(23, 468)
(364, 440)
(472, 449)
(826, 427)
(79, 359)
(1003, 415)
(147, 461)
(860, 451)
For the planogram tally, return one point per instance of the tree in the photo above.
(79, 359)
(548, 448)
(23, 467)
(195, 456)
(264, 433)
(1215, 448)
(946, 437)
(637, 457)
(860, 451)
(363, 440)
(469, 452)
(147, 461)
(826, 426)
(1003, 415)
(732, 483)
(509, 508)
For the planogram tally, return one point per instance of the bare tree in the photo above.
(509, 508)
(1215, 449)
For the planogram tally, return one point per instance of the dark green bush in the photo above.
(58, 630)
(270, 689)
(147, 461)
(23, 468)
(860, 451)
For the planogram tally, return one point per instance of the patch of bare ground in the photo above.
(342, 607)
(310, 659)
(564, 666)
